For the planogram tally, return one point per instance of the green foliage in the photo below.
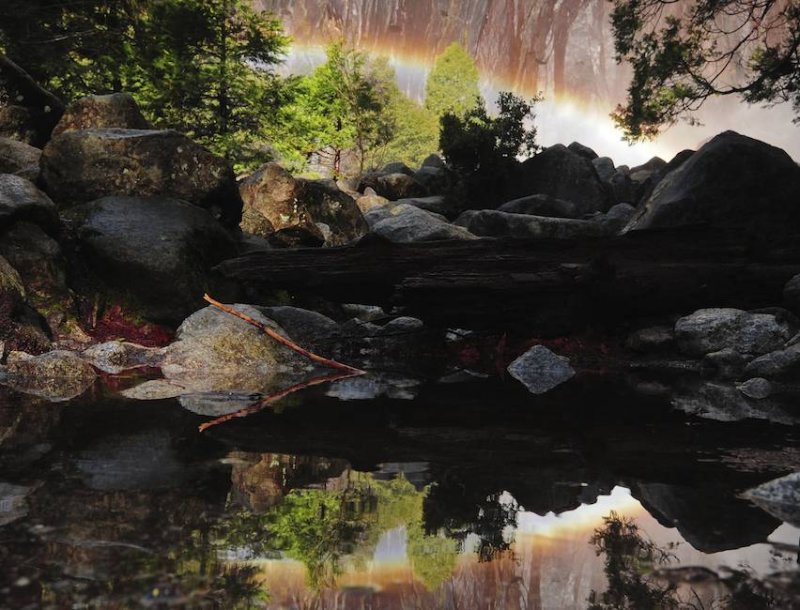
(680, 58)
(452, 86)
(484, 149)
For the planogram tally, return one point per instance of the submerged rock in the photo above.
(710, 330)
(780, 498)
(540, 370)
(375, 385)
(58, 375)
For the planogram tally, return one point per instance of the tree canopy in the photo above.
(452, 85)
(684, 53)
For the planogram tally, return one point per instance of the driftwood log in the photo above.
(544, 286)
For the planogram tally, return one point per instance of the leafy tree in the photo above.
(683, 54)
(452, 86)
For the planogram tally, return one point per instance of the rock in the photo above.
(367, 313)
(56, 376)
(649, 176)
(20, 200)
(652, 339)
(779, 497)
(370, 200)
(309, 236)
(433, 160)
(12, 290)
(397, 168)
(604, 167)
(81, 166)
(274, 201)
(393, 186)
(217, 351)
(791, 294)
(435, 179)
(710, 330)
(407, 224)
(375, 385)
(732, 181)
(540, 370)
(117, 356)
(13, 504)
(583, 151)
(615, 220)
(563, 174)
(780, 364)
(306, 327)
(541, 205)
(102, 111)
(157, 251)
(726, 363)
(723, 402)
(435, 204)
(491, 223)
(17, 156)
(402, 326)
(757, 388)
(622, 188)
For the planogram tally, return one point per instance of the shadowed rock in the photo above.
(540, 370)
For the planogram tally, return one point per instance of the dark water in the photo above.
(468, 494)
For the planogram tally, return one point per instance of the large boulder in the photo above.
(56, 376)
(84, 165)
(541, 205)
(561, 173)
(18, 157)
(710, 330)
(393, 186)
(98, 111)
(20, 200)
(403, 223)
(275, 201)
(155, 250)
(732, 181)
(492, 223)
(540, 370)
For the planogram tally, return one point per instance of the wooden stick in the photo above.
(283, 340)
(268, 400)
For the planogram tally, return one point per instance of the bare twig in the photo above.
(321, 360)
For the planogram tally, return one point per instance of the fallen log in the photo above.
(546, 286)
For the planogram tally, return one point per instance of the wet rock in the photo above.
(117, 356)
(102, 111)
(732, 181)
(20, 200)
(723, 402)
(563, 174)
(304, 326)
(393, 186)
(13, 503)
(710, 330)
(651, 339)
(757, 388)
(408, 224)
(84, 165)
(780, 364)
(217, 351)
(375, 385)
(541, 205)
(274, 201)
(56, 375)
(726, 363)
(157, 251)
(583, 150)
(360, 328)
(540, 370)
(17, 156)
(780, 498)
(491, 223)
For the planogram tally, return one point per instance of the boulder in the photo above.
(393, 186)
(615, 220)
(492, 223)
(540, 370)
(370, 200)
(779, 497)
(723, 402)
(563, 174)
(275, 201)
(583, 150)
(156, 251)
(217, 351)
(435, 180)
(406, 224)
(541, 205)
(101, 111)
(433, 160)
(604, 166)
(757, 388)
(18, 157)
(115, 357)
(725, 364)
(20, 201)
(732, 181)
(81, 166)
(710, 330)
(56, 376)
(435, 204)
(309, 328)
(397, 167)
(780, 364)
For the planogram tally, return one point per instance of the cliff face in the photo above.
(559, 47)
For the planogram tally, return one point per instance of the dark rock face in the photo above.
(312, 212)
(18, 157)
(732, 181)
(563, 174)
(84, 165)
(155, 250)
(393, 186)
(20, 200)
(492, 223)
(102, 111)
